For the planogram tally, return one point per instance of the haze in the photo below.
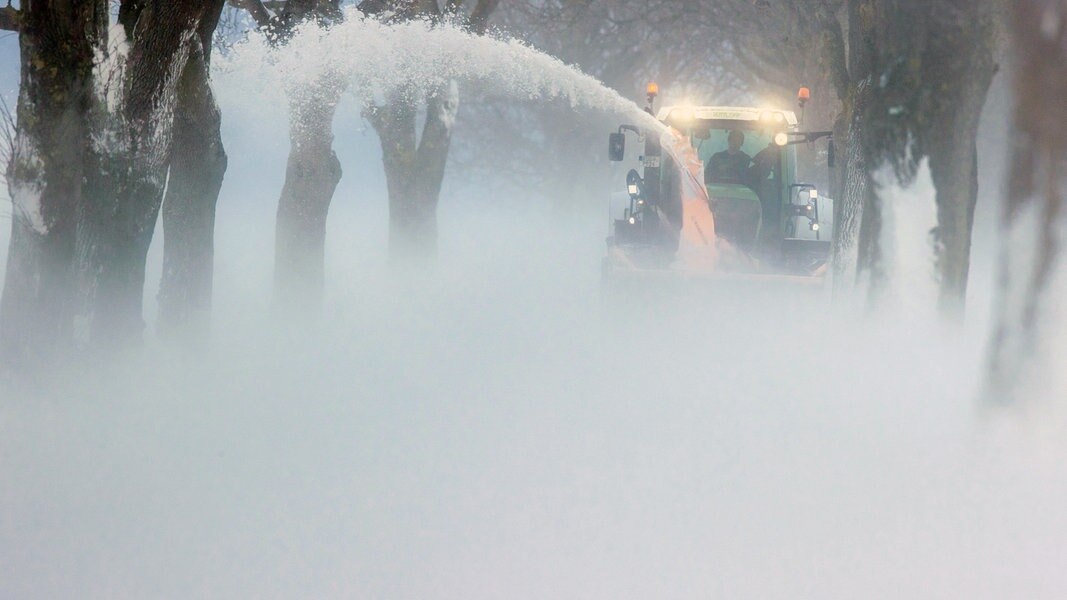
(496, 426)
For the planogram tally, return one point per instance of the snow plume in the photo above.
(909, 216)
(415, 59)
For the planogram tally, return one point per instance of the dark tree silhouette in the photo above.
(133, 126)
(414, 164)
(312, 172)
(46, 172)
(1033, 212)
(89, 163)
(197, 167)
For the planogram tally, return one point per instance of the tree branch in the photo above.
(10, 18)
(256, 9)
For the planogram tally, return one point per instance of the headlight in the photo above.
(813, 194)
(683, 115)
(781, 139)
(633, 184)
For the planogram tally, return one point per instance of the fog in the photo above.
(498, 427)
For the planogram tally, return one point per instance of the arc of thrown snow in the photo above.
(418, 57)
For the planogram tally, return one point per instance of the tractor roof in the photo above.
(728, 113)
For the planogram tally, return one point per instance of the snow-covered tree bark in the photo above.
(132, 135)
(58, 41)
(197, 167)
(852, 251)
(1033, 211)
(852, 192)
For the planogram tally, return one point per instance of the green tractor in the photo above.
(763, 220)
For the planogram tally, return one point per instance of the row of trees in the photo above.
(414, 160)
(116, 125)
(94, 138)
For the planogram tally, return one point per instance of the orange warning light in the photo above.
(653, 89)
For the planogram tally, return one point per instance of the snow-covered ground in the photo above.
(492, 430)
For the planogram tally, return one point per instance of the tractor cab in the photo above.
(749, 164)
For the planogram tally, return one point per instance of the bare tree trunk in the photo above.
(432, 157)
(133, 150)
(870, 259)
(415, 165)
(852, 252)
(197, 168)
(923, 71)
(955, 175)
(395, 124)
(198, 165)
(960, 52)
(311, 177)
(415, 169)
(45, 175)
(1033, 211)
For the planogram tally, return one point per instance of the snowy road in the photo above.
(488, 434)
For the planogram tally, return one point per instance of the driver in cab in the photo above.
(730, 165)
